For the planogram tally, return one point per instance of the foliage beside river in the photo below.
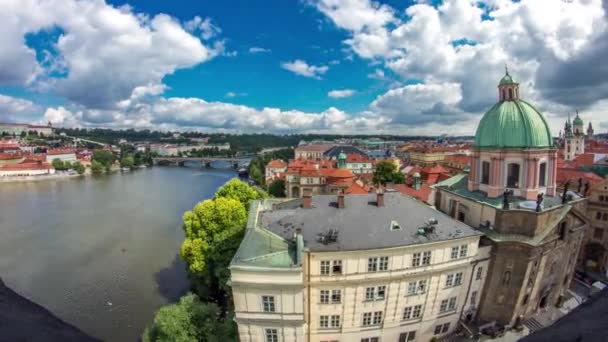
(214, 229)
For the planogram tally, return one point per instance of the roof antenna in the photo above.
(506, 69)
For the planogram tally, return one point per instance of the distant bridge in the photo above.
(210, 162)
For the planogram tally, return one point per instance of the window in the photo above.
(454, 279)
(412, 312)
(325, 267)
(372, 264)
(542, 177)
(377, 264)
(506, 278)
(426, 258)
(415, 287)
(272, 335)
(372, 318)
(407, 336)
(336, 296)
(479, 273)
(416, 257)
(454, 253)
(324, 296)
(268, 303)
(329, 267)
(598, 216)
(605, 217)
(375, 293)
(370, 339)
(513, 175)
(485, 172)
(510, 93)
(598, 233)
(447, 305)
(463, 251)
(326, 321)
(459, 252)
(441, 328)
(473, 297)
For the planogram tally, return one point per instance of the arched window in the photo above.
(504, 95)
(510, 94)
(542, 176)
(485, 172)
(513, 175)
(506, 278)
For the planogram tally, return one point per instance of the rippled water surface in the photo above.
(101, 253)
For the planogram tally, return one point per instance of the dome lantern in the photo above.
(508, 89)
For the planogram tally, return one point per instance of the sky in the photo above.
(299, 66)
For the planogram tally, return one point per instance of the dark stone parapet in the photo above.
(23, 320)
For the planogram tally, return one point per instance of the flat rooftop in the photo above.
(361, 224)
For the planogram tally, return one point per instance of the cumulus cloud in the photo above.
(257, 49)
(107, 51)
(205, 27)
(17, 109)
(300, 67)
(337, 94)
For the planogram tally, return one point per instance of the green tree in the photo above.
(105, 158)
(58, 164)
(277, 188)
(78, 167)
(190, 320)
(96, 167)
(127, 161)
(240, 191)
(386, 172)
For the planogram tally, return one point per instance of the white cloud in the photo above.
(257, 49)
(205, 27)
(337, 94)
(232, 94)
(13, 109)
(106, 51)
(378, 74)
(300, 67)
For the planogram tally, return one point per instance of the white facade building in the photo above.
(355, 268)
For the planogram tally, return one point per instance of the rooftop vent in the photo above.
(395, 225)
(429, 227)
(331, 236)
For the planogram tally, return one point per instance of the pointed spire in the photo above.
(507, 70)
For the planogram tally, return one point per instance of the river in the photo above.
(101, 253)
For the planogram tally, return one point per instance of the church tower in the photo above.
(574, 142)
(590, 131)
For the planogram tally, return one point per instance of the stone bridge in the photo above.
(234, 162)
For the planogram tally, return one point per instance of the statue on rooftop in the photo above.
(539, 200)
(564, 195)
(505, 199)
(586, 189)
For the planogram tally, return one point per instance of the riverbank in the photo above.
(23, 320)
(56, 176)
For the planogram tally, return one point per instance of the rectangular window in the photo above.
(445, 328)
(479, 273)
(417, 311)
(447, 305)
(325, 267)
(268, 303)
(454, 253)
(437, 329)
(426, 258)
(463, 251)
(324, 296)
(416, 287)
(542, 177)
(407, 312)
(407, 336)
(598, 233)
(411, 288)
(380, 292)
(473, 297)
(370, 339)
(421, 286)
(335, 321)
(367, 319)
(452, 304)
(337, 267)
(383, 264)
(272, 335)
(449, 280)
(441, 328)
(485, 172)
(336, 296)
(458, 279)
(369, 293)
(324, 321)
(416, 257)
(372, 318)
(377, 318)
(443, 307)
(372, 264)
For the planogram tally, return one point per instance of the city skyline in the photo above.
(309, 66)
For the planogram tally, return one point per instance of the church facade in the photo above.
(510, 195)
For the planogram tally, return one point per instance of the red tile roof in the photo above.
(26, 166)
(60, 151)
(357, 158)
(564, 175)
(276, 164)
(356, 189)
(423, 193)
(10, 156)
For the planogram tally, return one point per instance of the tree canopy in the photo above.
(277, 188)
(386, 172)
(190, 320)
(240, 191)
(103, 157)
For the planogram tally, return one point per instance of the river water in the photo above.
(101, 253)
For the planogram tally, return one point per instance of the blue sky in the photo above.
(285, 66)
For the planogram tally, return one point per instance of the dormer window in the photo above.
(395, 225)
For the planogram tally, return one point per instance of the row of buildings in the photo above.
(17, 160)
(492, 246)
(16, 129)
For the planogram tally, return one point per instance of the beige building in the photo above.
(594, 252)
(375, 267)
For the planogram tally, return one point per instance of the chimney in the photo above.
(380, 198)
(307, 196)
(341, 200)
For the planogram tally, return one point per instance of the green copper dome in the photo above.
(577, 121)
(506, 79)
(513, 124)
(341, 155)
